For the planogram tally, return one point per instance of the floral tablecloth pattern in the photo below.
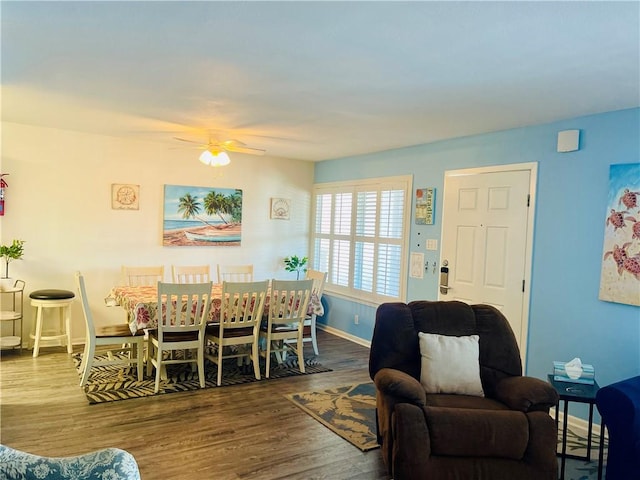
(141, 305)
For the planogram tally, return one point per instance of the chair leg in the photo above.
(140, 359)
(38, 334)
(300, 353)
(219, 364)
(159, 367)
(67, 324)
(314, 340)
(150, 348)
(89, 352)
(201, 366)
(268, 358)
(255, 356)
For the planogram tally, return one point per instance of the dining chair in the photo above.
(183, 310)
(287, 312)
(240, 316)
(309, 333)
(141, 276)
(235, 273)
(190, 273)
(119, 336)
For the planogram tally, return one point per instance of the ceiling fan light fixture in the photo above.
(215, 158)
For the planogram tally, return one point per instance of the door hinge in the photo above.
(522, 286)
(528, 199)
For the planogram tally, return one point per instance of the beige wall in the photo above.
(59, 202)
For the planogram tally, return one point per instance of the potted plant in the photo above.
(10, 253)
(295, 264)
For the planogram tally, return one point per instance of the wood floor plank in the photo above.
(238, 432)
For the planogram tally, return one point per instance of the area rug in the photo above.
(576, 469)
(112, 383)
(349, 410)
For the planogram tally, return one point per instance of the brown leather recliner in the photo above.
(507, 434)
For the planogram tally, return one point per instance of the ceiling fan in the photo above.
(227, 145)
(215, 152)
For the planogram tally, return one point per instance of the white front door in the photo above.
(487, 230)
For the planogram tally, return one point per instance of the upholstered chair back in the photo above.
(395, 339)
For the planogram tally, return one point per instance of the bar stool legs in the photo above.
(60, 299)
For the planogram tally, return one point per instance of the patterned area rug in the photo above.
(576, 469)
(112, 383)
(350, 412)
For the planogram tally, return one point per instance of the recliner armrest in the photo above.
(400, 385)
(527, 394)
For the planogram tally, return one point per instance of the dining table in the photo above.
(141, 305)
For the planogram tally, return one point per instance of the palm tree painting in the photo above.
(204, 216)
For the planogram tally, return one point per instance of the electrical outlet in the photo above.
(356, 319)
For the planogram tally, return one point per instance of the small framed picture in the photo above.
(125, 196)
(280, 208)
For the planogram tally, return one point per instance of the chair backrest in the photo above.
(319, 278)
(394, 343)
(88, 317)
(191, 273)
(183, 307)
(289, 300)
(235, 273)
(242, 303)
(139, 276)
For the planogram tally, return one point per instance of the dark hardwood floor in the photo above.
(240, 432)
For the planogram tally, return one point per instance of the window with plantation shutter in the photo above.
(360, 237)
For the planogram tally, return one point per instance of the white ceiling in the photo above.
(315, 80)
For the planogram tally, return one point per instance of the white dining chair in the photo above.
(141, 276)
(183, 310)
(190, 273)
(287, 312)
(235, 273)
(319, 280)
(119, 336)
(240, 316)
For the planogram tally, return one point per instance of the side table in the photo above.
(580, 393)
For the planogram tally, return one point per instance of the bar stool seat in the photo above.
(52, 298)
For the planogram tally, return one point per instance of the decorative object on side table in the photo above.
(15, 251)
(574, 371)
(296, 264)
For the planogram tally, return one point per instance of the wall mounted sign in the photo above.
(620, 274)
(203, 216)
(125, 196)
(425, 204)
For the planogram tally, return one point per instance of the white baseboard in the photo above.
(342, 334)
(578, 424)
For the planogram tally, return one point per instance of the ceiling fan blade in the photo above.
(191, 141)
(251, 151)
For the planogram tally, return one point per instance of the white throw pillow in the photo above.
(450, 364)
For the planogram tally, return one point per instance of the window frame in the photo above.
(353, 187)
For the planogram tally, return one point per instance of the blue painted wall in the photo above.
(566, 317)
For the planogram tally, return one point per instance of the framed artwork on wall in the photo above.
(125, 196)
(425, 198)
(280, 208)
(202, 216)
(620, 273)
